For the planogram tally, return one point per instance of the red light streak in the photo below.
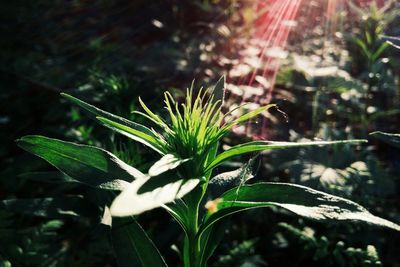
(275, 20)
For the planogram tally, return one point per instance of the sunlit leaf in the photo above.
(130, 202)
(166, 163)
(90, 165)
(268, 145)
(298, 199)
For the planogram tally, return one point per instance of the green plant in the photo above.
(178, 181)
(374, 21)
(370, 44)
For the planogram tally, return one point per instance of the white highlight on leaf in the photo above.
(167, 162)
(106, 219)
(129, 202)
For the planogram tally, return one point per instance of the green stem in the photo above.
(192, 243)
(192, 246)
(194, 250)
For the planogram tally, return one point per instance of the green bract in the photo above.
(180, 180)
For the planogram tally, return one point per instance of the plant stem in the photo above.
(192, 241)
(194, 250)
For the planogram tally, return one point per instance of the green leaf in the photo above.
(130, 202)
(148, 140)
(363, 47)
(379, 51)
(268, 145)
(179, 211)
(298, 199)
(132, 246)
(153, 117)
(131, 129)
(57, 207)
(390, 138)
(90, 165)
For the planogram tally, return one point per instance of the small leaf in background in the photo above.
(219, 91)
(90, 165)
